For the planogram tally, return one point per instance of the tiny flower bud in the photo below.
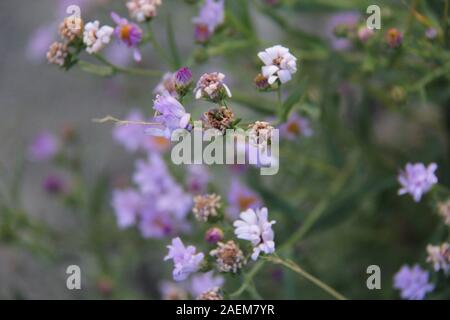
(183, 81)
(54, 185)
(214, 235)
(431, 33)
(364, 34)
(71, 29)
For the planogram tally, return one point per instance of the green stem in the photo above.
(294, 267)
(248, 278)
(131, 71)
(162, 54)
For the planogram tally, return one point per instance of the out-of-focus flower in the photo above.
(213, 294)
(279, 64)
(171, 116)
(128, 33)
(58, 53)
(344, 20)
(152, 176)
(214, 235)
(444, 211)
(105, 286)
(54, 184)
(255, 227)
(201, 283)
(206, 206)
(39, 42)
(295, 127)
(211, 15)
(229, 257)
(183, 81)
(211, 86)
(142, 10)
(127, 204)
(167, 84)
(439, 257)
(394, 38)
(197, 179)
(155, 224)
(413, 283)
(43, 147)
(134, 138)
(417, 179)
(71, 29)
(95, 37)
(185, 259)
(218, 118)
(364, 34)
(431, 33)
(241, 198)
(172, 291)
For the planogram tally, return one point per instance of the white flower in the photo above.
(142, 10)
(278, 64)
(95, 38)
(255, 228)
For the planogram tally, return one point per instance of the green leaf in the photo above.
(298, 95)
(102, 71)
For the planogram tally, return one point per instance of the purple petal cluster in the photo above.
(413, 283)
(185, 259)
(417, 179)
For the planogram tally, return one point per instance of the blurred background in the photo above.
(367, 121)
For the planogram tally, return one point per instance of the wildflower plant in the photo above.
(359, 114)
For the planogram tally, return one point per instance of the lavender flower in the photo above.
(412, 283)
(348, 20)
(128, 33)
(127, 204)
(172, 291)
(279, 64)
(152, 176)
(417, 179)
(201, 283)
(133, 138)
(431, 33)
(172, 116)
(183, 81)
(185, 259)
(241, 198)
(44, 147)
(214, 235)
(211, 15)
(295, 127)
(255, 227)
(364, 34)
(439, 257)
(167, 84)
(155, 224)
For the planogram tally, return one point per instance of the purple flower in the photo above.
(197, 179)
(394, 38)
(167, 84)
(211, 15)
(155, 224)
(417, 179)
(129, 33)
(214, 235)
(134, 138)
(295, 127)
(54, 184)
(412, 283)
(185, 259)
(39, 42)
(241, 198)
(43, 147)
(172, 291)
(172, 116)
(348, 19)
(201, 283)
(127, 205)
(152, 176)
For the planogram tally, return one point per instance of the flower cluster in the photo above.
(143, 10)
(417, 179)
(413, 283)
(211, 16)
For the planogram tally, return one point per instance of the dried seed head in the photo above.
(206, 206)
(220, 118)
(58, 53)
(211, 86)
(142, 10)
(439, 257)
(213, 294)
(229, 257)
(261, 82)
(71, 28)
